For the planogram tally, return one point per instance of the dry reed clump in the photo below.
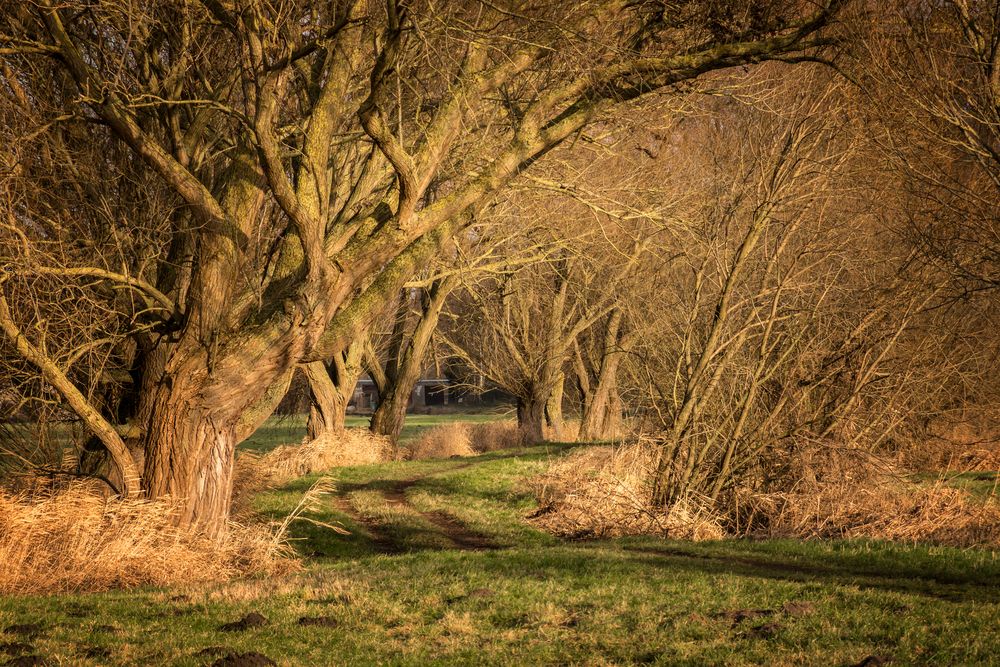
(605, 492)
(825, 491)
(496, 435)
(888, 509)
(568, 432)
(466, 439)
(75, 540)
(443, 441)
(354, 446)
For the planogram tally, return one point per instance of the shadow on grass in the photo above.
(837, 569)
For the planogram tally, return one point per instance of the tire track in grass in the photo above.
(461, 537)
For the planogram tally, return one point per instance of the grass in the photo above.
(400, 594)
(292, 428)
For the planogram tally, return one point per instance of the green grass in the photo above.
(536, 599)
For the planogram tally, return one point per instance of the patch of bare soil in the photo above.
(244, 660)
(248, 622)
(25, 629)
(874, 661)
(26, 661)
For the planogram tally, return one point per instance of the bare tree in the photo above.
(294, 143)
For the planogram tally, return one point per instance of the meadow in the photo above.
(443, 565)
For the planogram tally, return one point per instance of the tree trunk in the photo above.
(406, 360)
(193, 412)
(554, 410)
(390, 415)
(602, 408)
(601, 414)
(531, 417)
(328, 411)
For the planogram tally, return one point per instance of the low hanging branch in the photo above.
(97, 424)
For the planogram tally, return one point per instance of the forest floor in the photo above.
(443, 566)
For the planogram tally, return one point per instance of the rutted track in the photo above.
(460, 536)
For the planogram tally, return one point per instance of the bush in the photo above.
(605, 492)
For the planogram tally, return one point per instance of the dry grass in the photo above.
(832, 492)
(963, 446)
(355, 446)
(605, 492)
(76, 540)
(888, 509)
(466, 439)
(442, 442)
(569, 432)
(828, 493)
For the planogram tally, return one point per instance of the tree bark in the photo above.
(554, 410)
(602, 406)
(531, 417)
(331, 387)
(328, 409)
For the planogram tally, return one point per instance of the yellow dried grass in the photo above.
(605, 492)
(886, 508)
(466, 439)
(443, 441)
(76, 540)
(353, 446)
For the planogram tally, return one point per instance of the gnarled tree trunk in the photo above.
(331, 387)
(402, 370)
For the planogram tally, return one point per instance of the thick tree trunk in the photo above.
(194, 410)
(189, 457)
(328, 409)
(554, 410)
(390, 415)
(531, 417)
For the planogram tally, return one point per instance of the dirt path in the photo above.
(461, 537)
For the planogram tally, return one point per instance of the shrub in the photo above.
(605, 492)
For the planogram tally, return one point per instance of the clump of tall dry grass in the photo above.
(495, 436)
(887, 509)
(816, 492)
(569, 431)
(443, 441)
(353, 446)
(76, 540)
(960, 447)
(466, 439)
(605, 492)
